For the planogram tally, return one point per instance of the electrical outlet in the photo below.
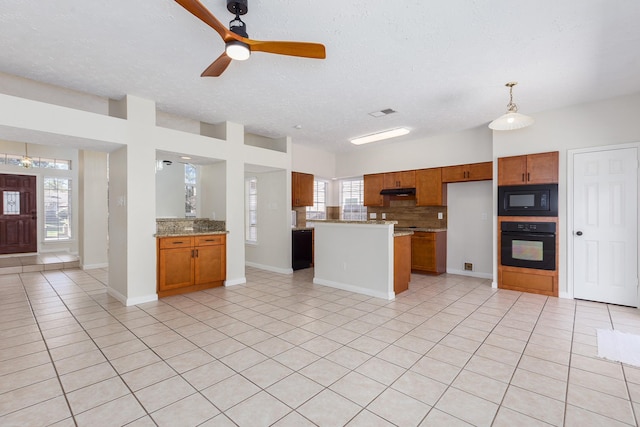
(384, 216)
(468, 266)
(372, 215)
(440, 215)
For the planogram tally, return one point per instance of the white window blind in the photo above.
(251, 219)
(352, 199)
(319, 208)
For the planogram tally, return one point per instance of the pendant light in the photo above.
(26, 161)
(511, 120)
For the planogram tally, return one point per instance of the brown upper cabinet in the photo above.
(403, 179)
(541, 168)
(373, 184)
(301, 189)
(430, 190)
(472, 172)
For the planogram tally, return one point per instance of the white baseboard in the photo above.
(94, 266)
(494, 285)
(270, 268)
(357, 289)
(131, 301)
(565, 295)
(470, 274)
(234, 282)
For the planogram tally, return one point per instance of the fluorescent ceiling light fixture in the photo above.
(185, 157)
(392, 133)
(511, 120)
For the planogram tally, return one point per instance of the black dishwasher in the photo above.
(301, 249)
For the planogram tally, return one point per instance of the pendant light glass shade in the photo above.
(26, 161)
(511, 120)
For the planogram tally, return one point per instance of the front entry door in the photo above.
(605, 226)
(18, 221)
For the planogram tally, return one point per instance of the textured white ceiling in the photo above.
(441, 65)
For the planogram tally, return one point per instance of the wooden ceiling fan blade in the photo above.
(199, 11)
(303, 49)
(217, 67)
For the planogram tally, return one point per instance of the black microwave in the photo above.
(528, 200)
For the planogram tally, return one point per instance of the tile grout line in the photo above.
(44, 341)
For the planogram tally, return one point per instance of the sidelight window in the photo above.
(57, 209)
(190, 174)
(251, 210)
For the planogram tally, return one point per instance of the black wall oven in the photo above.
(528, 245)
(528, 200)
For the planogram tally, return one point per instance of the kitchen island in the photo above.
(358, 256)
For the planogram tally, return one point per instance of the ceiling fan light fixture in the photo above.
(511, 120)
(379, 136)
(237, 50)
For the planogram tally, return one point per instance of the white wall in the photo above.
(273, 250)
(93, 230)
(118, 228)
(608, 122)
(355, 257)
(213, 188)
(170, 191)
(470, 228)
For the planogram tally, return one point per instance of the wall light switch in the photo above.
(440, 215)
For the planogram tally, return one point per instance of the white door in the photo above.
(605, 226)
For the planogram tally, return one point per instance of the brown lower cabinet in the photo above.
(429, 252)
(401, 263)
(191, 263)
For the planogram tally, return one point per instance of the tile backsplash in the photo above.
(409, 215)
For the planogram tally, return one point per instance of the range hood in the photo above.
(398, 191)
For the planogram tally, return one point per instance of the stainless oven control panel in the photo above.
(529, 227)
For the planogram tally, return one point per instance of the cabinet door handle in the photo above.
(177, 243)
(196, 253)
(523, 177)
(528, 176)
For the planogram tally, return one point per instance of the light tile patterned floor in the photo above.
(281, 351)
(38, 262)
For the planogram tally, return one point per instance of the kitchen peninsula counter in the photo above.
(356, 256)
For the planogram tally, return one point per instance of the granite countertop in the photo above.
(424, 229)
(176, 233)
(343, 221)
(402, 233)
(301, 228)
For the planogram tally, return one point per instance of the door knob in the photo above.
(578, 233)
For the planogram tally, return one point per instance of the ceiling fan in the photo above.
(238, 45)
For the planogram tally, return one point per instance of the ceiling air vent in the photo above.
(384, 112)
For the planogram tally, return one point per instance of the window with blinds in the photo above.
(319, 208)
(251, 219)
(352, 199)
